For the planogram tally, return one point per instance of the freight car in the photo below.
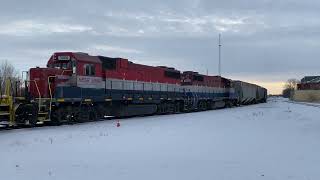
(78, 87)
(262, 95)
(248, 93)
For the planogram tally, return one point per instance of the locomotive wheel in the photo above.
(166, 108)
(82, 115)
(163, 108)
(93, 115)
(159, 109)
(100, 111)
(228, 104)
(202, 106)
(86, 113)
(62, 115)
(213, 105)
(209, 105)
(55, 118)
(172, 108)
(27, 114)
(177, 108)
(58, 116)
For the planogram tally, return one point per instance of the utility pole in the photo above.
(220, 54)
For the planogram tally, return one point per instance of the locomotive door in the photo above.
(74, 67)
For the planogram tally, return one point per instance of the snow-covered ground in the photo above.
(277, 140)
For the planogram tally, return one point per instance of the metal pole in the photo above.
(22, 77)
(0, 89)
(220, 54)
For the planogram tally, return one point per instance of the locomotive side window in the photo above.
(89, 70)
(64, 66)
(57, 66)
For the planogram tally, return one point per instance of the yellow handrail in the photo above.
(65, 71)
(50, 92)
(39, 94)
(8, 87)
(7, 99)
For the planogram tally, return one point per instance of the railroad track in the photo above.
(5, 128)
(305, 103)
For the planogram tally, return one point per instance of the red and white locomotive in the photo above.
(81, 86)
(78, 87)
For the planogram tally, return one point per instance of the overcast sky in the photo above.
(264, 41)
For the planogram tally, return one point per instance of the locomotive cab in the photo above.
(63, 61)
(65, 69)
(42, 81)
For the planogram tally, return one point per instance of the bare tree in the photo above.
(289, 88)
(8, 71)
(291, 84)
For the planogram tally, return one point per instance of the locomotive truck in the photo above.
(78, 87)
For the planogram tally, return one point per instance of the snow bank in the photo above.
(276, 140)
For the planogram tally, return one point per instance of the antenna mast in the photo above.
(220, 54)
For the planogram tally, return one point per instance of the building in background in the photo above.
(309, 83)
(308, 90)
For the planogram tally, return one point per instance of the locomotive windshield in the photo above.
(60, 65)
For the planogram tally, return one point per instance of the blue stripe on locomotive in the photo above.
(101, 94)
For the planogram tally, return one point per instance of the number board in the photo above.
(63, 58)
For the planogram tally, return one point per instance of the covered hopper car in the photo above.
(248, 93)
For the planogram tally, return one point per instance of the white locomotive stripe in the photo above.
(90, 82)
(118, 84)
